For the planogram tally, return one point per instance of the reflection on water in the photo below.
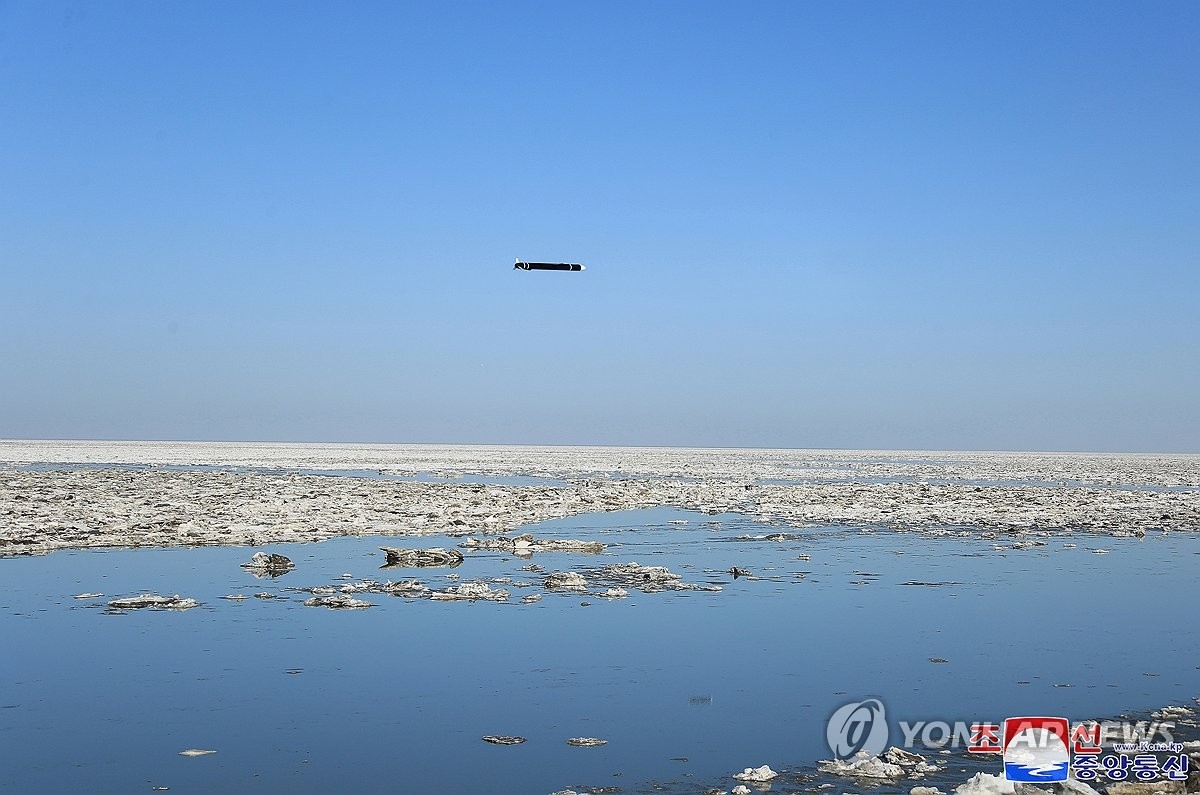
(687, 686)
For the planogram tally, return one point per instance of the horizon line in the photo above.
(1003, 451)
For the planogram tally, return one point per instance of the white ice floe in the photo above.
(636, 574)
(175, 602)
(1071, 786)
(565, 581)
(759, 774)
(470, 591)
(912, 763)
(241, 505)
(985, 784)
(862, 766)
(338, 601)
(525, 544)
(895, 763)
(403, 588)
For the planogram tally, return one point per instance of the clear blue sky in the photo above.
(841, 224)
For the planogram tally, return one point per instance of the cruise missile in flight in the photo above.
(521, 264)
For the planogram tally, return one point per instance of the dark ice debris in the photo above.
(420, 558)
(500, 739)
(264, 564)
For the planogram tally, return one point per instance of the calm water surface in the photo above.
(688, 687)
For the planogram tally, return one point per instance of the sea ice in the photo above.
(893, 764)
(337, 601)
(566, 581)
(470, 591)
(760, 774)
(155, 601)
(262, 564)
(260, 496)
(1144, 788)
(526, 544)
(420, 558)
(985, 784)
(913, 763)
(637, 574)
(862, 766)
(1072, 786)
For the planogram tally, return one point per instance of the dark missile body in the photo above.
(547, 266)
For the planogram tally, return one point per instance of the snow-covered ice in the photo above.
(59, 495)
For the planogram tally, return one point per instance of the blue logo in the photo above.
(1016, 771)
(858, 726)
(1035, 749)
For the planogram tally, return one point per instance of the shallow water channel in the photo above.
(686, 686)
